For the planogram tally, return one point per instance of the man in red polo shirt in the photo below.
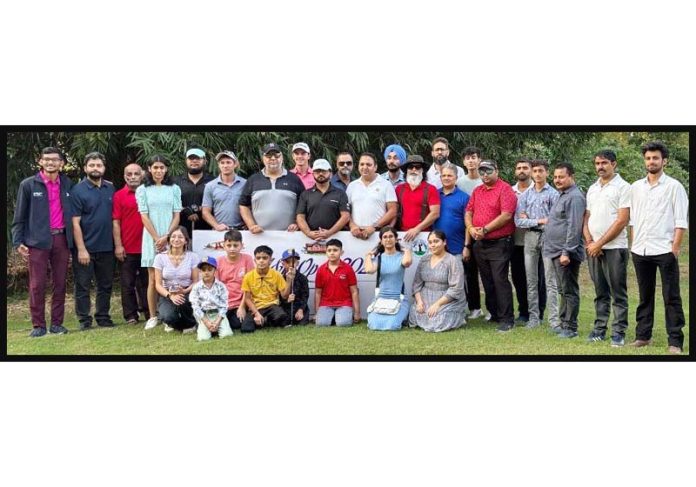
(419, 201)
(128, 242)
(489, 220)
(336, 288)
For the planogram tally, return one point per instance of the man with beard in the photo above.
(394, 156)
(344, 168)
(300, 155)
(128, 243)
(489, 221)
(269, 198)
(322, 210)
(523, 172)
(42, 234)
(221, 195)
(192, 186)
(419, 201)
(563, 244)
(92, 208)
(440, 156)
(659, 218)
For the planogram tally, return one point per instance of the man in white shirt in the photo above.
(606, 243)
(659, 218)
(440, 156)
(372, 199)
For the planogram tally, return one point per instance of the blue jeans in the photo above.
(343, 314)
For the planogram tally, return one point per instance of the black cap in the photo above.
(272, 147)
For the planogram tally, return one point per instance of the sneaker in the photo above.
(556, 329)
(522, 319)
(185, 331)
(595, 336)
(568, 334)
(151, 323)
(85, 326)
(37, 332)
(617, 341)
(106, 324)
(505, 327)
(168, 328)
(487, 316)
(476, 313)
(58, 330)
(532, 324)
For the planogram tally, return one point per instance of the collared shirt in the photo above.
(387, 177)
(307, 179)
(204, 298)
(265, 291)
(434, 175)
(126, 212)
(338, 182)
(368, 203)
(488, 203)
(224, 200)
(94, 205)
(231, 274)
(272, 202)
(519, 232)
(536, 205)
(466, 184)
(322, 210)
(192, 194)
(563, 233)
(656, 211)
(603, 204)
(411, 201)
(451, 221)
(55, 207)
(335, 285)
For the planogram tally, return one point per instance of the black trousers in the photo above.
(235, 324)
(646, 273)
(493, 259)
(275, 317)
(101, 267)
(134, 288)
(179, 317)
(568, 292)
(473, 291)
(519, 279)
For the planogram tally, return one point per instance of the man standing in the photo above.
(192, 185)
(42, 234)
(467, 183)
(344, 168)
(533, 209)
(606, 242)
(221, 195)
(300, 154)
(523, 172)
(563, 244)
(453, 203)
(659, 218)
(372, 199)
(269, 198)
(394, 156)
(322, 210)
(92, 208)
(419, 201)
(128, 243)
(440, 155)
(488, 220)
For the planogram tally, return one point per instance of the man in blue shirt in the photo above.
(452, 208)
(344, 170)
(92, 203)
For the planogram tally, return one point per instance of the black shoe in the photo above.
(596, 336)
(85, 326)
(106, 324)
(58, 330)
(505, 327)
(37, 332)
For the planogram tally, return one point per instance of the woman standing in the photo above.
(392, 263)
(159, 204)
(438, 288)
(176, 270)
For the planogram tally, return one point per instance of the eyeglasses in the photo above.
(417, 167)
(486, 170)
(344, 163)
(272, 155)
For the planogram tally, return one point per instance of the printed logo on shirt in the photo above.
(37, 194)
(343, 277)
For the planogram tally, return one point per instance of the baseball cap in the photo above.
(321, 164)
(488, 164)
(195, 152)
(226, 153)
(300, 145)
(211, 261)
(290, 253)
(272, 147)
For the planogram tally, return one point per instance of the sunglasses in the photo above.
(415, 166)
(486, 170)
(344, 163)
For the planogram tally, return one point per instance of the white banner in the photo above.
(312, 255)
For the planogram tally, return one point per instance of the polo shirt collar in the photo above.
(284, 172)
(47, 181)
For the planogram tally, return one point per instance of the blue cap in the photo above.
(210, 260)
(290, 253)
(195, 152)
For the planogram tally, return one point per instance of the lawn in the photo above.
(477, 338)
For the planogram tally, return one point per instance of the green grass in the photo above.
(478, 338)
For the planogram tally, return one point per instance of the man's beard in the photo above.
(346, 171)
(414, 179)
(440, 159)
(95, 176)
(522, 177)
(394, 169)
(195, 170)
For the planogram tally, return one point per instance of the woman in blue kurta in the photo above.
(392, 263)
(159, 204)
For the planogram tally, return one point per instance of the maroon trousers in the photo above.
(58, 257)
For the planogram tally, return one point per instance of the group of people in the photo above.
(479, 226)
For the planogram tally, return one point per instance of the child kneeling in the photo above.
(336, 287)
(209, 302)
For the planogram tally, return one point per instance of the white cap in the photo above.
(321, 165)
(301, 145)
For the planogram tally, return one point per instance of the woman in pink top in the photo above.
(231, 270)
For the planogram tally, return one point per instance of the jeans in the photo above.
(646, 272)
(535, 287)
(493, 259)
(608, 273)
(58, 256)
(569, 291)
(134, 288)
(179, 317)
(101, 266)
(343, 314)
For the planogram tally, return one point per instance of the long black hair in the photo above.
(167, 181)
(441, 235)
(380, 247)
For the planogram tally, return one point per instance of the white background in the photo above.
(318, 424)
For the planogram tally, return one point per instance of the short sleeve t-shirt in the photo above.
(265, 291)
(173, 277)
(232, 274)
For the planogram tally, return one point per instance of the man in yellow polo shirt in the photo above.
(263, 288)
